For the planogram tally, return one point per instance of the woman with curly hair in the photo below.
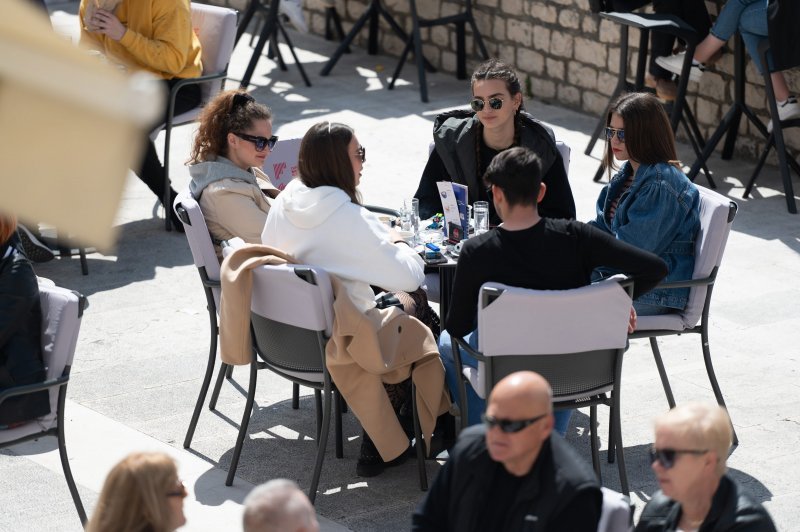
(230, 147)
(142, 493)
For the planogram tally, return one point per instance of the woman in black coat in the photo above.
(20, 330)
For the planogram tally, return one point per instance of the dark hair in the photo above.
(496, 69)
(324, 160)
(648, 133)
(229, 111)
(518, 172)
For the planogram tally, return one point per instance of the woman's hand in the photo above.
(632, 321)
(106, 22)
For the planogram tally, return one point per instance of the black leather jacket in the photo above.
(20, 335)
(731, 509)
(560, 493)
(454, 159)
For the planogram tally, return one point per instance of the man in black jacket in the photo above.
(510, 474)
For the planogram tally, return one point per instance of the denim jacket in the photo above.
(660, 212)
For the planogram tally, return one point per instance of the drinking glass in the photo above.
(481, 211)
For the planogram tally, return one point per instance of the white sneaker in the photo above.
(674, 63)
(786, 111)
(293, 9)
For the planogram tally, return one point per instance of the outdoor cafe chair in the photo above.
(62, 311)
(573, 338)
(716, 218)
(207, 263)
(216, 29)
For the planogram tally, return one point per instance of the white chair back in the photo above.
(216, 29)
(520, 322)
(616, 513)
(203, 251)
(716, 219)
(565, 152)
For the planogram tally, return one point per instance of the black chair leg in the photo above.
(294, 54)
(593, 441)
(318, 410)
(612, 443)
(248, 411)
(617, 425)
(759, 166)
(201, 398)
(337, 410)
(712, 376)
(662, 372)
(295, 396)
(62, 452)
(420, 441)
(84, 264)
(223, 370)
(322, 442)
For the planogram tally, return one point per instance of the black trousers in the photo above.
(151, 171)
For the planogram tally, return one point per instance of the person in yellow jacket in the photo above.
(151, 35)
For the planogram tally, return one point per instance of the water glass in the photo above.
(481, 211)
(415, 215)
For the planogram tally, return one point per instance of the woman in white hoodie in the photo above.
(230, 147)
(318, 218)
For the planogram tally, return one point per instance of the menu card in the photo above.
(281, 165)
(454, 204)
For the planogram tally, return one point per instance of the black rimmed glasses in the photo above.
(666, 457)
(611, 131)
(510, 426)
(478, 104)
(260, 142)
(362, 153)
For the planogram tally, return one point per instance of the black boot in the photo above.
(152, 174)
(370, 463)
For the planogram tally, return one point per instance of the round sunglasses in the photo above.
(611, 131)
(667, 457)
(478, 104)
(510, 426)
(260, 142)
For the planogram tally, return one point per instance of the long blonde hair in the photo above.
(134, 495)
(8, 225)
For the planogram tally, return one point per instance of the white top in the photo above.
(322, 227)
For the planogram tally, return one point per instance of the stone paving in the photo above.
(141, 352)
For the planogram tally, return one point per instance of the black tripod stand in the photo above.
(374, 11)
(269, 33)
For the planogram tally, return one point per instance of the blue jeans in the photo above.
(475, 405)
(749, 18)
(646, 309)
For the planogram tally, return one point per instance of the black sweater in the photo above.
(551, 255)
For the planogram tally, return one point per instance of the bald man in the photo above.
(279, 506)
(509, 474)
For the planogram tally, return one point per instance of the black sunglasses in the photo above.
(260, 142)
(510, 426)
(478, 104)
(180, 492)
(610, 131)
(362, 152)
(666, 457)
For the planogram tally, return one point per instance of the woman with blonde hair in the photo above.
(142, 493)
(688, 457)
(230, 147)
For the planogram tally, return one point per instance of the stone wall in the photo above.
(564, 54)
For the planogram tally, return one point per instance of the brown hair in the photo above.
(229, 111)
(648, 133)
(8, 224)
(134, 495)
(324, 160)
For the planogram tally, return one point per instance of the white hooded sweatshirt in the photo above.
(322, 227)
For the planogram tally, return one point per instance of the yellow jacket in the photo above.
(160, 38)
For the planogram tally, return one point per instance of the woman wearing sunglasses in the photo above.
(318, 219)
(142, 492)
(230, 147)
(467, 141)
(688, 458)
(649, 202)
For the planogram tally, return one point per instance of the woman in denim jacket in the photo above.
(649, 203)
